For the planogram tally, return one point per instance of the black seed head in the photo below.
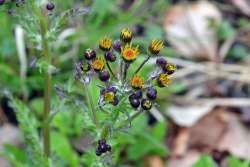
(117, 46)
(50, 6)
(90, 54)
(152, 93)
(135, 103)
(136, 95)
(104, 76)
(103, 147)
(146, 104)
(161, 62)
(110, 56)
(102, 141)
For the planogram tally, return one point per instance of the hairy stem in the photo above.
(43, 23)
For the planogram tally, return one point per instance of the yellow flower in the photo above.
(155, 46)
(126, 35)
(164, 80)
(136, 82)
(105, 44)
(170, 68)
(98, 64)
(129, 53)
(109, 97)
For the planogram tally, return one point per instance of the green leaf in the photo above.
(235, 162)
(225, 30)
(61, 146)
(15, 155)
(238, 52)
(28, 125)
(205, 161)
(159, 130)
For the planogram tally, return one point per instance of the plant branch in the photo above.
(91, 104)
(127, 121)
(110, 70)
(43, 23)
(142, 64)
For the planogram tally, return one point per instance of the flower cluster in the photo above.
(123, 84)
(103, 147)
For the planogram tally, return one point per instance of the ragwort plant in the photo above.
(124, 94)
(42, 26)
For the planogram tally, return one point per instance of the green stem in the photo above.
(127, 121)
(91, 105)
(126, 66)
(121, 70)
(110, 70)
(47, 78)
(142, 64)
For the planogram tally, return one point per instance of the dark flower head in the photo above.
(102, 147)
(117, 46)
(135, 103)
(101, 141)
(104, 76)
(116, 101)
(50, 6)
(151, 93)
(161, 62)
(136, 95)
(98, 152)
(2, 2)
(105, 44)
(111, 89)
(110, 56)
(90, 54)
(126, 35)
(155, 46)
(146, 104)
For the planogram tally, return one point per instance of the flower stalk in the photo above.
(47, 78)
(142, 64)
(91, 104)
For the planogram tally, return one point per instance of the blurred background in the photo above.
(203, 118)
